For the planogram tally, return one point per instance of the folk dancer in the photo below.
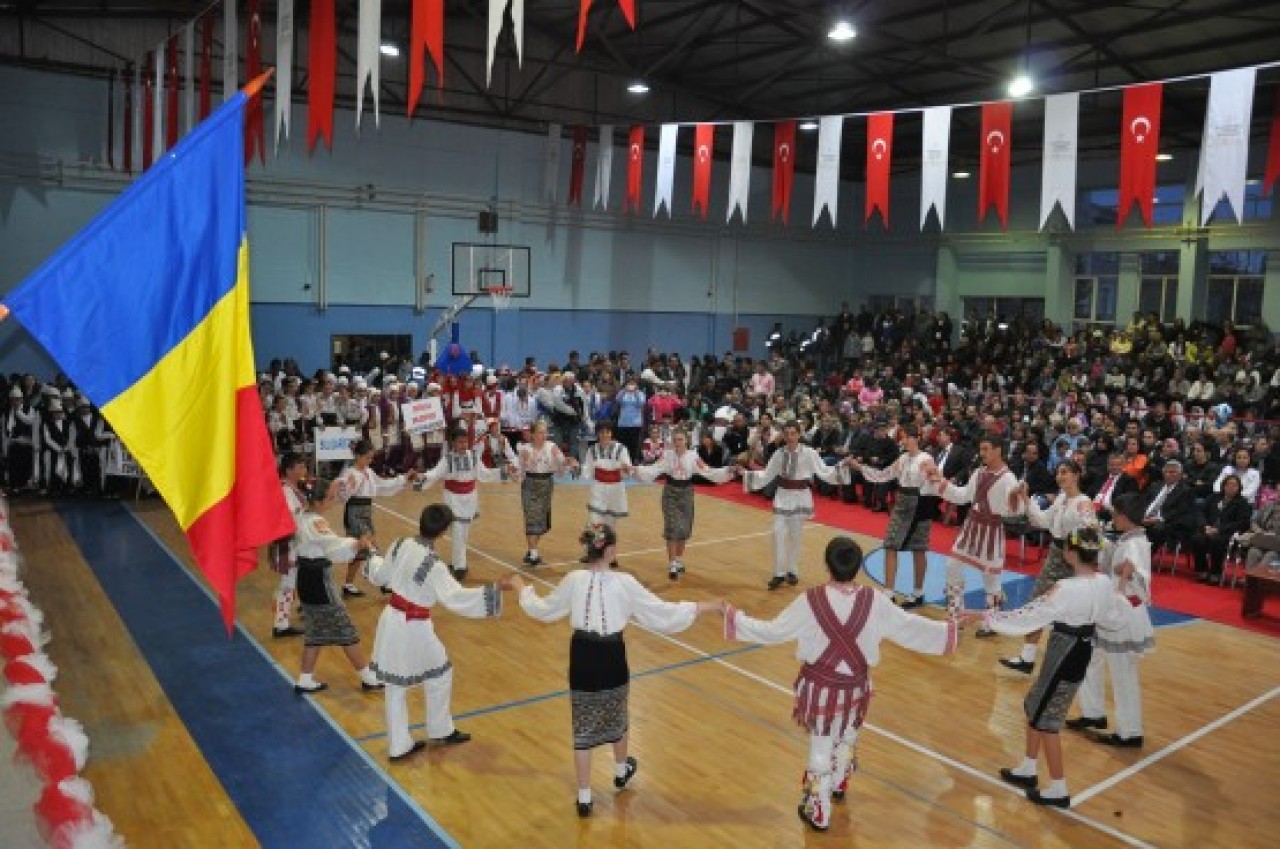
(460, 468)
(838, 628)
(20, 423)
(1128, 564)
(793, 466)
(357, 486)
(600, 604)
(605, 464)
(1073, 607)
(980, 542)
(59, 464)
(1070, 511)
(538, 461)
(680, 463)
(283, 554)
(496, 452)
(913, 512)
(406, 649)
(324, 617)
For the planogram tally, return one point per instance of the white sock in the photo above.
(620, 769)
(533, 554)
(305, 680)
(584, 796)
(1056, 789)
(1029, 652)
(918, 593)
(1026, 769)
(367, 676)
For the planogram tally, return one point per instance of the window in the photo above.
(1235, 287)
(1158, 290)
(1256, 207)
(904, 304)
(1100, 206)
(1005, 309)
(1097, 281)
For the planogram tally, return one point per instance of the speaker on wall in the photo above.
(487, 222)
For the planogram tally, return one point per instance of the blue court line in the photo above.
(295, 778)
(555, 694)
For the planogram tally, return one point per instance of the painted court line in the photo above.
(641, 551)
(1160, 755)
(1127, 839)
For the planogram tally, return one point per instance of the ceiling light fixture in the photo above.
(808, 126)
(961, 175)
(638, 87)
(1164, 157)
(842, 31)
(1021, 86)
(390, 50)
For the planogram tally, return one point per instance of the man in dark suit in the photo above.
(1171, 513)
(1114, 484)
(952, 458)
(1034, 473)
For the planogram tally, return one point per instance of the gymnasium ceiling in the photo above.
(748, 59)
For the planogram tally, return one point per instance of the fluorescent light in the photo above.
(1164, 157)
(389, 49)
(842, 31)
(638, 87)
(1254, 182)
(1021, 86)
(808, 126)
(961, 175)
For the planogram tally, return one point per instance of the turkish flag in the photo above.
(206, 62)
(1273, 150)
(704, 145)
(254, 139)
(171, 80)
(879, 158)
(428, 32)
(1139, 144)
(584, 6)
(784, 167)
(127, 141)
(322, 73)
(578, 165)
(635, 167)
(148, 109)
(993, 177)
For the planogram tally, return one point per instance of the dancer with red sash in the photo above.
(605, 464)
(460, 467)
(838, 628)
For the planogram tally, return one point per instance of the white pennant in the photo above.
(157, 102)
(604, 166)
(933, 172)
(368, 55)
(740, 169)
(497, 8)
(666, 167)
(826, 181)
(1058, 180)
(551, 164)
(1224, 153)
(230, 49)
(189, 77)
(284, 69)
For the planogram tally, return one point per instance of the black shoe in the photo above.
(632, 766)
(369, 688)
(793, 578)
(813, 825)
(1120, 742)
(584, 809)
(613, 564)
(1017, 664)
(912, 601)
(984, 633)
(286, 632)
(385, 590)
(453, 739)
(584, 559)
(673, 573)
(351, 591)
(299, 690)
(1081, 723)
(1034, 796)
(776, 581)
(1026, 782)
(459, 574)
(418, 746)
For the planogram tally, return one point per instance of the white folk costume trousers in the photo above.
(439, 691)
(788, 538)
(955, 586)
(1125, 690)
(829, 760)
(285, 594)
(458, 537)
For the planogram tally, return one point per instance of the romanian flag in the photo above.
(147, 311)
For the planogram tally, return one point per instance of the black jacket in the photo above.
(1229, 517)
(1178, 512)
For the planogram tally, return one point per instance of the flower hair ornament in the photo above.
(1084, 539)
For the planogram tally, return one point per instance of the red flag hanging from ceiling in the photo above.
(1139, 144)
(993, 174)
(148, 109)
(635, 167)
(584, 6)
(879, 160)
(206, 61)
(578, 166)
(704, 145)
(427, 31)
(1273, 150)
(254, 130)
(784, 167)
(171, 107)
(322, 64)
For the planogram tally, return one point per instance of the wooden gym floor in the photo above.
(198, 741)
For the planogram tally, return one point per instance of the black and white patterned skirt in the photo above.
(598, 686)
(535, 498)
(325, 621)
(1066, 659)
(910, 523)
(677, 511)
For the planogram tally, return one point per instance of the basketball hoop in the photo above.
(499, 295)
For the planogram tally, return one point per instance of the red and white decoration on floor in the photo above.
(153, 84)
(54, 747)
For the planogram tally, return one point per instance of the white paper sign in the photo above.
(120, 463)
(334, 443)
(422, 415)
